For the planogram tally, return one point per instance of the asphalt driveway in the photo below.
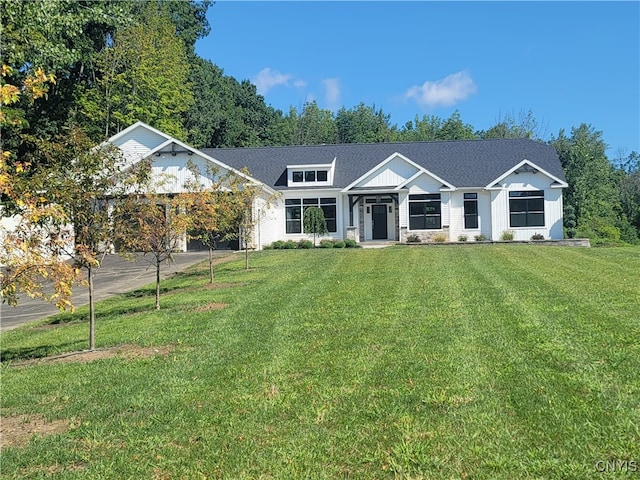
(115, 276)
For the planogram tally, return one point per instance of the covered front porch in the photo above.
(374, 216)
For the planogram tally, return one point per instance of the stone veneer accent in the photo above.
(426, 236)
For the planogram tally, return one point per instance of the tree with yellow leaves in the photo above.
(32, 228)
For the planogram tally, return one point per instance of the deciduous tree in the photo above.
(216, 211)
(150, 222)
(141, 76)
(32, 231)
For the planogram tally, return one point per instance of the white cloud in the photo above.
(299, 83)
(443, 93)
(332, 92)
(267, 79)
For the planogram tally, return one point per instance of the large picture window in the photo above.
(526, 208)
(470, 210)
(424, 212)
(295, 212)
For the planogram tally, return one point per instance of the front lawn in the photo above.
(487, 362)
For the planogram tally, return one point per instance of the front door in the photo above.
(379, 219)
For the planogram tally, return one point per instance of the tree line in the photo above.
(75, 72)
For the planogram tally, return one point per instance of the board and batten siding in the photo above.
(457, 215)
(137, 144)
(552, 228)
(421, 185)
(395, 172)
(172, 171)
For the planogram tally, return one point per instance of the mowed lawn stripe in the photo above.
(422, 362)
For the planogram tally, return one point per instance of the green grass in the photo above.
(487, 362)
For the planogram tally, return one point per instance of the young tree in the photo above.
(314, 222)
(215, 211)
(80, 178)
(149, 222)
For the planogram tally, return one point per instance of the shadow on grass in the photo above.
(39, 351)
(148, 292)
(103, 312)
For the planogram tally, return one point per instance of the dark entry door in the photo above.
(379, 218)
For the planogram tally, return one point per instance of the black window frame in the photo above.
(425, 211)
(470, 205)
(294, 213)
(293, 216)
(310, 176)
(526, 208)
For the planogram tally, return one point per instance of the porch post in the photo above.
(351, 203)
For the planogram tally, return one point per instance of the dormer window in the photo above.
(310, 175)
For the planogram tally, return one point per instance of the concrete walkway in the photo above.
(115, 276)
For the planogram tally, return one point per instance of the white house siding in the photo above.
(457, 215)
(553, 212)
(552, 228)
(484, 211)
(268, 216)
(173, 171)
(394, 173)
(138, 143)
(426, 184)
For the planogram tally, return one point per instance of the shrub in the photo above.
(326, 243)
(413, 238)
(350, 243)
(537, 236)
(570, 232)
(480, 238)
(462, 238)
(506, 236)
(277, 245)
(305, 244)
(439, 238)
(289, 245)
(339, 244)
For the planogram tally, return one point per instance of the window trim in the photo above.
(298, 205)
(470, 199)
(426, 199)
(527, 196)
(310, 176)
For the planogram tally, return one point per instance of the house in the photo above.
(381, 191)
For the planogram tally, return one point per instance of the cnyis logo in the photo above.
(623, 466)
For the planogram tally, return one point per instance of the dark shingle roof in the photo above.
(464, 163)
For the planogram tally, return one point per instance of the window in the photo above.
(293, 215)
(295, 212)
(470, 210)
(526, 209)
(424, 212)
(309, 176)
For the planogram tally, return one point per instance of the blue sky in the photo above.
(567, 62)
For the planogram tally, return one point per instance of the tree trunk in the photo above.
(157, 285)
(246, 256)
(211, 265)
(92, 313)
